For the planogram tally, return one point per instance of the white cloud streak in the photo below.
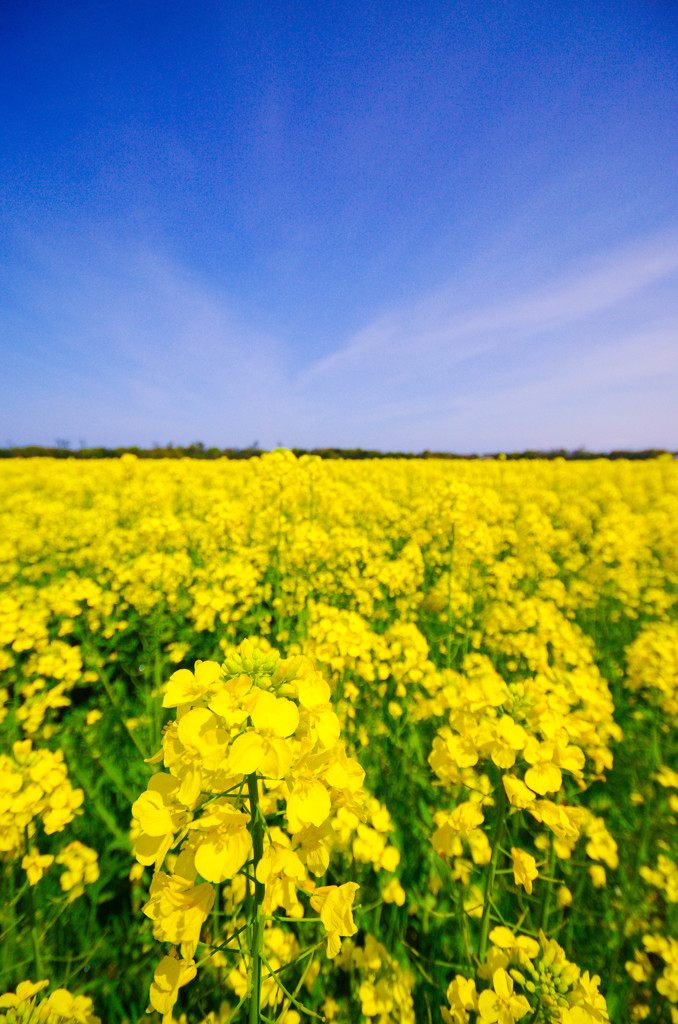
(433, 327)
(122, 349)
(136, 349)
(455, 379)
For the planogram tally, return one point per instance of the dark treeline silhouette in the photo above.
(199, 451)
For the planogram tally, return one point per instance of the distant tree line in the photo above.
(62, 450)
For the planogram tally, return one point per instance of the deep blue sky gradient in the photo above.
(385, 225)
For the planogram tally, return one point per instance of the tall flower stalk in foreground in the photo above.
(255, 771)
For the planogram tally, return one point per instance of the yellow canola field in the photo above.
(508, 628)
(267, 540)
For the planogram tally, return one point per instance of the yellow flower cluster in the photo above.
(656, 963)
(328, 539)
(478, 599)
(652, 668)
(60, 1006)
(525, 976)
(116, 535)
(536, 734)
(33, 784)
(81, 865)
(664, 877)
(257, 720)
(384, 986)
(344, 643)
(666, 947)
(366, 834)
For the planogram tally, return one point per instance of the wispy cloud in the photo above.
(132, 347)
(433, 327)
(593, 329)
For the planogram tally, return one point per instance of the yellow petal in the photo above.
(191, 782)
(518, 793)
(310, 803)
(544, 778)
(152, 814)
(277, 759)
(195, 726)
(502, 937)
(179, 688)
(207, 673)
(502, 984)
(220, 858)
(275, 714)
(313, 690)
(246, 753)
(488, 1006)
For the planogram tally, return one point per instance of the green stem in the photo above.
(156, 712)
(121, 838)
(257, 918)
(535, 1013)
(35, 942)
(116, 704)
(492, 870)
(645, 830)
(545, 907)
(274, 972)
(9, 915)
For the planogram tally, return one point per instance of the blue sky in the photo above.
(397, 226)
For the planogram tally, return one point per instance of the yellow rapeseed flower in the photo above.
(334, 903)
